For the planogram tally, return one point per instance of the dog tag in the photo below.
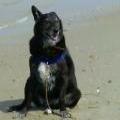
(48, 111)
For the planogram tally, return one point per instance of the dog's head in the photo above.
(48, 26)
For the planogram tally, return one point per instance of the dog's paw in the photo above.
(21, 113)
(65, 114)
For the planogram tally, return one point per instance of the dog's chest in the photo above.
(47, 75)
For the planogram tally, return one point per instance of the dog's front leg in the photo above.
(63, 112)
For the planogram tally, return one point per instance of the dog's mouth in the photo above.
(54, 36)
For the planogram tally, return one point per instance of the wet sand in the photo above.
(95, 49)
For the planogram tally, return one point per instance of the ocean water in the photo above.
(16, 17)
(85, 7)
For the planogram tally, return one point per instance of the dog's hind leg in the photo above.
(25, 105)
(17, 107)
(72, 98)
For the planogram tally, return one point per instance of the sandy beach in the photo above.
(94, 44)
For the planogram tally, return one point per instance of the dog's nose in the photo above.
(55, 31)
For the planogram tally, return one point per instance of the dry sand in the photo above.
(95, 48)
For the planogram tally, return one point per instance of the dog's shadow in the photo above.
(4, 105)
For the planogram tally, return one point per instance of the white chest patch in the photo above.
(46, 74)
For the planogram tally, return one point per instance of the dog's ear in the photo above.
(61, 26)
(36, 13)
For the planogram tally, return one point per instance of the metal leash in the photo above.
(48, 110)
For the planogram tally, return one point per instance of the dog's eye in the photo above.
(47, 24)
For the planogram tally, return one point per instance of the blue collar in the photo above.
(59, 57)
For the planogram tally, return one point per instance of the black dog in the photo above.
(52, 82)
